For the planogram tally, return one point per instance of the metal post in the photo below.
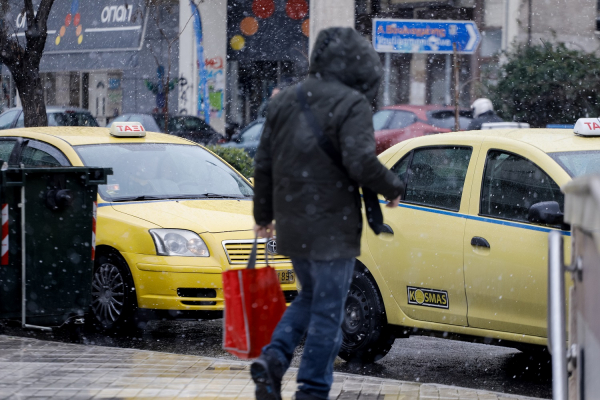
(448, 79)
(557, 338)
(386, 79)
(456, 90)
(23, 262)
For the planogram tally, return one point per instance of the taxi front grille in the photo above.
(238, 252)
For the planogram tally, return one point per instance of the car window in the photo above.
(38, 154)
(162, 171)
(445, 119)
(6, 147)
(71, 118)
(436, 176)
(401, 167)
(401, 119)
(380, 119)
(7, 119)
(512, 184)
(187, 124)
(252, 134)
(578, 163)
(20, 121)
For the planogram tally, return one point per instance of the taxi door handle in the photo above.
(479, 241)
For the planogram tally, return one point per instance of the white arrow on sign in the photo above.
(472, 38)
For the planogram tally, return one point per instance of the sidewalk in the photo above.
(36, 369)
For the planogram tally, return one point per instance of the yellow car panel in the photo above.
(497, 292)
(411, 262)
(506, 284)
(124, 227)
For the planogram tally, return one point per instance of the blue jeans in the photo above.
(318, 311)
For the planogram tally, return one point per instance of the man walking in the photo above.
(316, 202)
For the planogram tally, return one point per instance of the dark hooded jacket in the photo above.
(316, 205)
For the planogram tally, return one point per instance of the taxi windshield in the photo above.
(578, 163)
(149, 171)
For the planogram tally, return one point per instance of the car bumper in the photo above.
(162, 286)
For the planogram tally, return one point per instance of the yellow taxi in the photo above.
(465, 253)
(171, 218)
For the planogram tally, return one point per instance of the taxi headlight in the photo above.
(178, 242)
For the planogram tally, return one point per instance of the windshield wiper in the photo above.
(138, 198)
(220, 196)
(179, 196)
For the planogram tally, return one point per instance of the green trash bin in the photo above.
(48, 231)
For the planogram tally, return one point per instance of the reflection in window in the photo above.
(402, 119)
(38, 158)
(380, 119)
(436, 176)
(6, 148)
(162, 170)
(512, 184)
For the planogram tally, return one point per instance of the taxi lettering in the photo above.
(428, 297)
(592, 125)
(130, 128)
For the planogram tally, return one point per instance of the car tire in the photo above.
(114, 302)
(366, 335)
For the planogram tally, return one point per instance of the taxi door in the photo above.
(505, 254)
(422, 260)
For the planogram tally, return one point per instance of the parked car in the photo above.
(185, 126)
(171, 218)
(57, 116)
(249, 138)
(394, 124)
(465, 253)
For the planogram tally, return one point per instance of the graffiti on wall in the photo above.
(215, 79)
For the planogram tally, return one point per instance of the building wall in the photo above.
(570, 21)
(214, 30)
(116, 79)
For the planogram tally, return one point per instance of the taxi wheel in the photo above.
(113, 294)
(367, 337)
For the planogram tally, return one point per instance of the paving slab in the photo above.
(37, 369)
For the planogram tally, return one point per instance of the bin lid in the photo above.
(582, 205)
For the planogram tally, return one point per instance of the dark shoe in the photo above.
(300, 395)
(267, 373)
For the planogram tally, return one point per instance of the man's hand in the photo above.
(393, 203)
(264, 231)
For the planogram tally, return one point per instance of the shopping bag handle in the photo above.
(252, 259)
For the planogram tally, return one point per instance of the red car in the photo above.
(394, 124)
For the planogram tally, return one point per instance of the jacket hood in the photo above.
(343, 54)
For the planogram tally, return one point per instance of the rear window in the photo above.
(71, 118)
(380, 119)
(578, 163)
(445, 119)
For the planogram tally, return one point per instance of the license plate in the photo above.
(286, 276)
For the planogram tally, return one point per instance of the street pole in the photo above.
(329, 13)
(386, 79)
(456, 89)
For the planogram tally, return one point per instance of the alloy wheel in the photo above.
(108, 293)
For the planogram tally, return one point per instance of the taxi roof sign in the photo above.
(127, 129)
(587, 127)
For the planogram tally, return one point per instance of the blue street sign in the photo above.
(424, 36)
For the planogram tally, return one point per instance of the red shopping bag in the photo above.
(254, 304)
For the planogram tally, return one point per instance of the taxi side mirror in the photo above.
(546, 212)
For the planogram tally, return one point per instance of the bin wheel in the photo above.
(366, 335)
(114, 300)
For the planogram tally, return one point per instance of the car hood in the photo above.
(207, 215)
